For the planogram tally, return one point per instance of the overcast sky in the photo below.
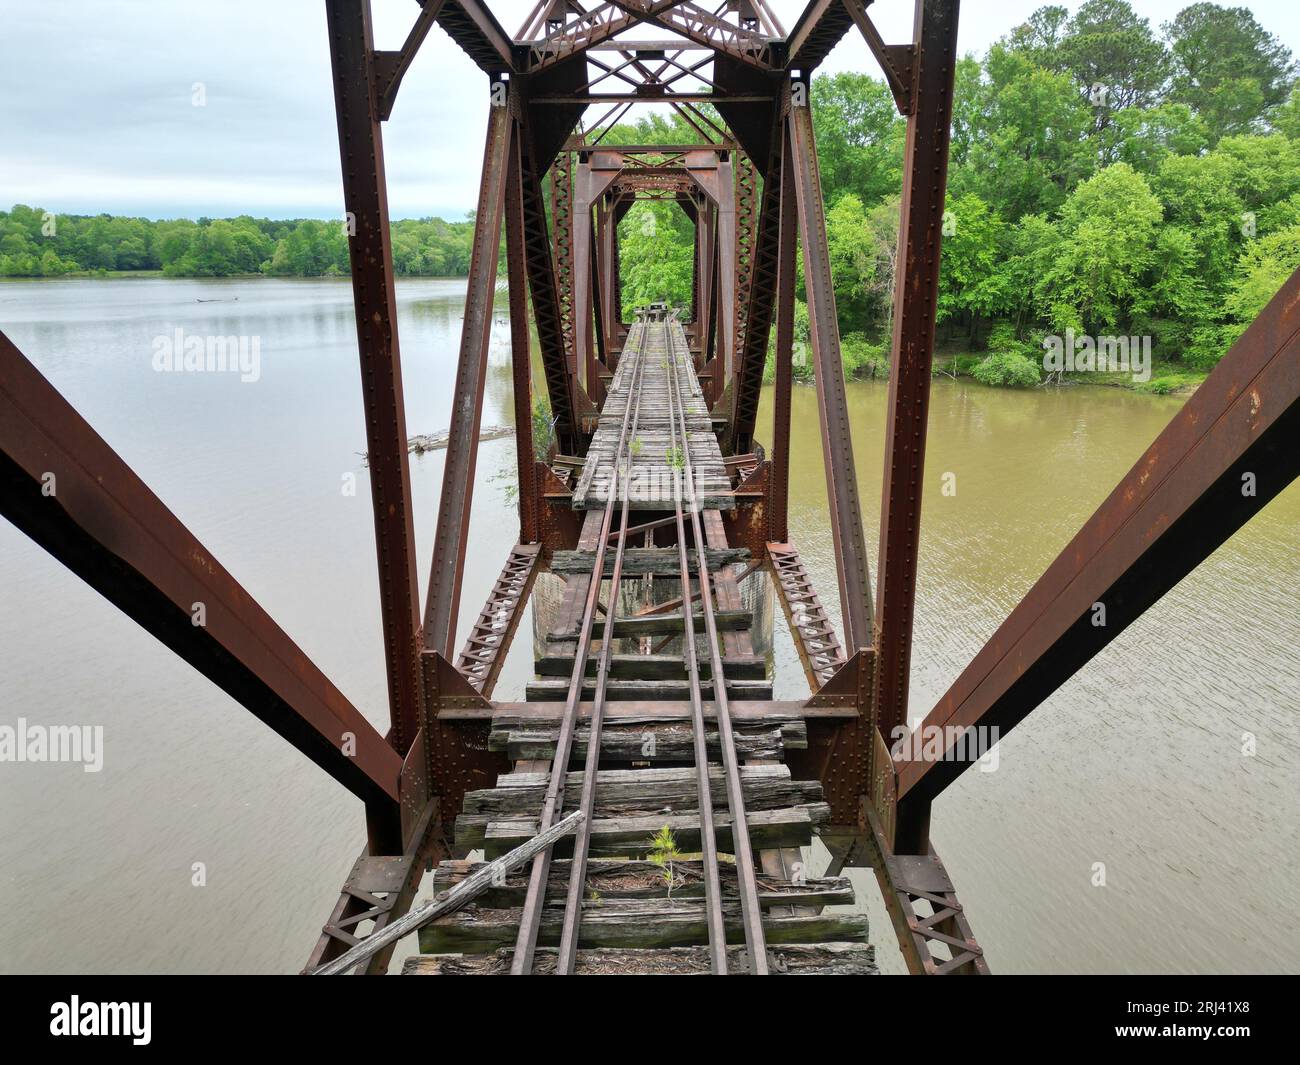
(96, 109)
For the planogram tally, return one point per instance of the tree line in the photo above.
(34, 243)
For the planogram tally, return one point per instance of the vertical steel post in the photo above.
(530, 529)
(916, 289)
(778, 504)
(443, 600)
(370, 252)
(837, 444)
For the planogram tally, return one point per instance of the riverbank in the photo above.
(1166, 378)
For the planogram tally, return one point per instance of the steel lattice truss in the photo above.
(751, 187)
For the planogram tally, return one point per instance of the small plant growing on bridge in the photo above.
(675, 457)
(635, 447)
(663, 852)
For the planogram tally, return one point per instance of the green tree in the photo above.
(1037, 146)
(1227, 67)
(1109, 225)
(859, 136)
(971, 283)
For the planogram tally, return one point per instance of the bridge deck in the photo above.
(667, 728)
(653, 461)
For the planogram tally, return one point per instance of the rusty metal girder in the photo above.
(916, 292)
(840, 748)
(763, 294)
(701, 27)
(837, 444)
(933, 933)
(810, 626)
(897, 61)
(379, 889)
(521, 354)
(389, 68)
(452, 531)
(778, 501)
(66, 488)
(561, 174)
(370, 251)
(472, 26)
(820, 28)
(746, 226)
(485, 649)
(1234, 446)
(561, 386)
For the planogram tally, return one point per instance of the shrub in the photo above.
(861, 358)
(1009, 369)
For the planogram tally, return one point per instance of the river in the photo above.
(1136, 763)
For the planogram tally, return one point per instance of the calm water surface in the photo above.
(1136, 762)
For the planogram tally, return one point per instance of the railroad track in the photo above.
(617, 897)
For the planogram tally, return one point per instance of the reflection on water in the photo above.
(1135, 763)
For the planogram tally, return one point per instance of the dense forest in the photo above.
(1107, 177)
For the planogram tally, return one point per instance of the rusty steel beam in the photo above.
(1233, 447)
(561, 175)
(521, 368)
(911, 880)
(837, 443)
(763, 294)
(820, 28)
(452, 532)
(389, 68)
(896, 60)
(810, 626)
(66, 488)
(472, 26)
(561, 387)
(701, 27)
(485, 649)
(370, 252)
(746, 232)
(778, 499)
(379, 890)
(916, 291)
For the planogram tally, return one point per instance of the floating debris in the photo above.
(418, 445)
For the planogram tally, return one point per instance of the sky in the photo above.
(97, 102)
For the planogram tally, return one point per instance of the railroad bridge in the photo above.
(657, 498)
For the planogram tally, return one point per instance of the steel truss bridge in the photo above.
(669, 399)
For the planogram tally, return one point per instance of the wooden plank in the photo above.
(790, 827)
(630, 923)
(629, 792)
(650, 742)
(643, 561)
(755, 711)
(655, 667)
(614, 879)
(829, 959)
(619, 689)
(656, 625)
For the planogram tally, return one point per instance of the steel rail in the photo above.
(568, 952)
(750, 911)
(531, 918)
(708, 839)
